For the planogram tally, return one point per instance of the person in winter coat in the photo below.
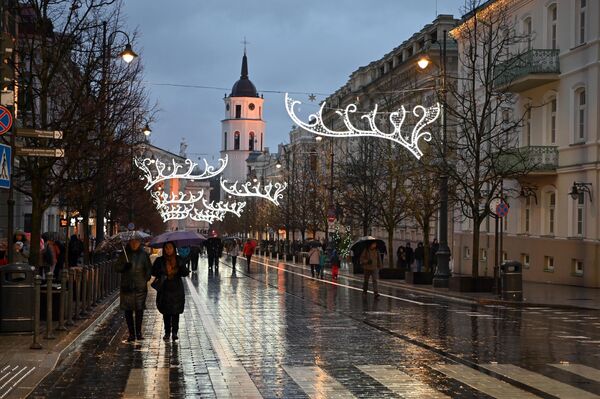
(18, 256)
(75, 250)
(314, 259)
(370, 260)
(214, 250)
(135, 268)
(409, 255)
(170, 298)
(233, 250)
(248, 251)
(48, 258)
(401, 258)
(194, 257)
(335, 264)
(20, 236)
(419, 256)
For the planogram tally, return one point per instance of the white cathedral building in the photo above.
(243, 128)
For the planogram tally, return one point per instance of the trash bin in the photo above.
(511, 275)
(16, 298)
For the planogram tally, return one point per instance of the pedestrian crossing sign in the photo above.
(5, 165)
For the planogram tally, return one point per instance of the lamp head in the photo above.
(319, 139)
(128, 54)
(147, 131)
(574, 193)
(423, 62)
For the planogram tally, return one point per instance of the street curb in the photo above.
(455, 297)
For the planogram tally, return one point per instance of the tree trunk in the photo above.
(475, 254)
(390, 248)
(36, 220)
(426, 229)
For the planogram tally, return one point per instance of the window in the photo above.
(504, 256)
(225, 141)
(525, 261)
(553, 120)
(577, 267)
(580, 114)
(581, 22)
(527, 214)
(483, 254)
(580, 215)
(552, 17)
(548, 263)
(467, 252)
(551, 212)
(528, 31)
(251, 141)
(238, 111)
(236, 141)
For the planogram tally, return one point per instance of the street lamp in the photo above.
(580, 188)
(146, 130)
(442, 272)
(128, 54)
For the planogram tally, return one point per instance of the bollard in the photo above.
(294, 259)
(84, 290)
(277, 257)
(37, 283)
(49, 334)
(77, 275)
(63, 300)
(69, 300)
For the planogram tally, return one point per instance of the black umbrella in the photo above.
(363, 242)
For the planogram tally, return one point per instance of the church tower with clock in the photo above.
(243, 129)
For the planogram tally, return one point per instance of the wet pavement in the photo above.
(278, 333)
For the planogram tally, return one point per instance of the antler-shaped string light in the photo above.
(246, 190)
(153, 170)
(206, 215)
(174, 212)
(410, 141)
(221, 206)
(164, 199)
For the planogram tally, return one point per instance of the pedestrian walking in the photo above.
(419, 256)
(59, 252)
(401, 260)
(18, 256)
(135, 268)
(435, 246)
(233, 250)
(335, 264)
(248, 252)
(371, 263)
(48, 258)
(214, 250)
(168, 271)
(75, 250)
(409, 256)
(194, 257)
(314, 258)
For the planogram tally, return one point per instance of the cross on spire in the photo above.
(245, 42)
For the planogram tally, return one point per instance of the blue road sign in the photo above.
(6, 119)
(5, 165)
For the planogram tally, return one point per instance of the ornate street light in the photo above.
(146, 130)
(128, 54)
(580, 188)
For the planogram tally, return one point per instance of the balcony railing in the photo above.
(532, 62)
(529, 159)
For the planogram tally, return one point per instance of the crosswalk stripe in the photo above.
(585, 371)
(482, 382)
(539, 382)
(316, 383)
(400, 383)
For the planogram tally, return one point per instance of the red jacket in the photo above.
(248, 249)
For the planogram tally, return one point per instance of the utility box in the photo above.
(16, 298)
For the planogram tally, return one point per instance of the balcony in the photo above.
(530, 69)
(537, 159)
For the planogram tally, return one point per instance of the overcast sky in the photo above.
(309, 46)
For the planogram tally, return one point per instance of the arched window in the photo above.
(251, 141)
(552, 19)
(225, 141)
(580, 115)
(236, 141)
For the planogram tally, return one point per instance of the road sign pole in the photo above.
(11, 201)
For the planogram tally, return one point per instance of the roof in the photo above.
(244, 87)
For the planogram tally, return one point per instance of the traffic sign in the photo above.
(6, 119)
(40, 134)
(5, 165)
(40, 152)
(502, 209)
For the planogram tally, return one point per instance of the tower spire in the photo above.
(244, 74)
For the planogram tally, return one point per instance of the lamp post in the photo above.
(127, 55)
(442, 272)
(331, 214)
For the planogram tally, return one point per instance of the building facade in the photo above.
(552, 227)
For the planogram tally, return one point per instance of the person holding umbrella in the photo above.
(135, 268)
(168, 271)
(370, 260)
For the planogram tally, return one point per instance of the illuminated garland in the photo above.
(222, 207)
(207, 215)
(153, 170)
(247, 190)
(410, 142)
(163, 199)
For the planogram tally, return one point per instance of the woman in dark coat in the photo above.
(135, 271)
(170, 298)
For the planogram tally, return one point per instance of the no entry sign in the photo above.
(6, 119)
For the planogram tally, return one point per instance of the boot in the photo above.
(139, 315)
(130, 326)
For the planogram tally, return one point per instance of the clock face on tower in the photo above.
(251, 106)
